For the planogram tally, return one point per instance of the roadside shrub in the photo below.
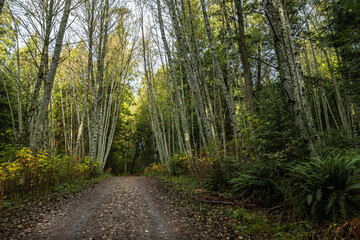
(270, 145)
(218, 177)
(328, 188)
(7, 152)
(179, 165)
(155, 169)
(336, 139)
(30, 172)
(260, 180)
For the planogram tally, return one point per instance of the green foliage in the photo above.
(260, 180)
(250, 222)
(272, 129)
(218, 177)
(7, 35)
(343, 34)
(270, 146)
(336, 140)
(328, 188)
(155, 169)
(40, 172)
(8, 152)
(6, 126)
(179, 165)
(261, 225)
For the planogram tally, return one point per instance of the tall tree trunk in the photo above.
(190, 76)
(179, 101)
(290, 72)
(244, 58)
(322, 92)
(11, 111)
(158, 132)
(96, 113)
(20, 117)
(339, 100)
(42, 70)
(63, 106)
(48, 85)
(194, 52)
(52, 145)
(2, 2)
(228, 99)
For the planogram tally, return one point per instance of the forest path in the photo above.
(117, 208)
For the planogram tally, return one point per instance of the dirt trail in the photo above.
(117, 208)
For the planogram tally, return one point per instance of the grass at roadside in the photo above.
(236, 219)
(20, 201)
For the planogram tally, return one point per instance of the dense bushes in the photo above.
(30, 172)
(324, 189)
(272, 165)
(154, 169)
(260, 181)
(328, 188)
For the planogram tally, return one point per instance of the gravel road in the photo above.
(117, 208)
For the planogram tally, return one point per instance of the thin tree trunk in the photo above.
(11, 111)
(179, 101)
(20, 117)
(192, 43)
(52, 145)
(228, 99)
(2, 2)
(244, 58)
(290, 72)
(154, 116)
(42, 71)
(63, 120)
(339, 101)
(190, 76)
(48, 85)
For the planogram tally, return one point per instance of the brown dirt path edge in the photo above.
(117, 208)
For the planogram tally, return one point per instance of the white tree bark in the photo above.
(48, 85)
(228, 99)
(290, 72)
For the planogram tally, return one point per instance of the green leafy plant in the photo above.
(37, 172)
(260, 180)
(329, 187)
(155, 169)
(179, 165)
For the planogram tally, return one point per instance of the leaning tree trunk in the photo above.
(228, 99)
(158, 132)
(97, 105)
(42, 70)
(2, 2)
(35, 140)
(179, 101)
(290, 72)
(199, 69)
(190, 76)
(339, 100)
(245, 59)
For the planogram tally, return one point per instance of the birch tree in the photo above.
(178, 99)
(35, 140)
(290, 71)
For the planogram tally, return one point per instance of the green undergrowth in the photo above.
(266, 226)
(256, 224)
(39, 198)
